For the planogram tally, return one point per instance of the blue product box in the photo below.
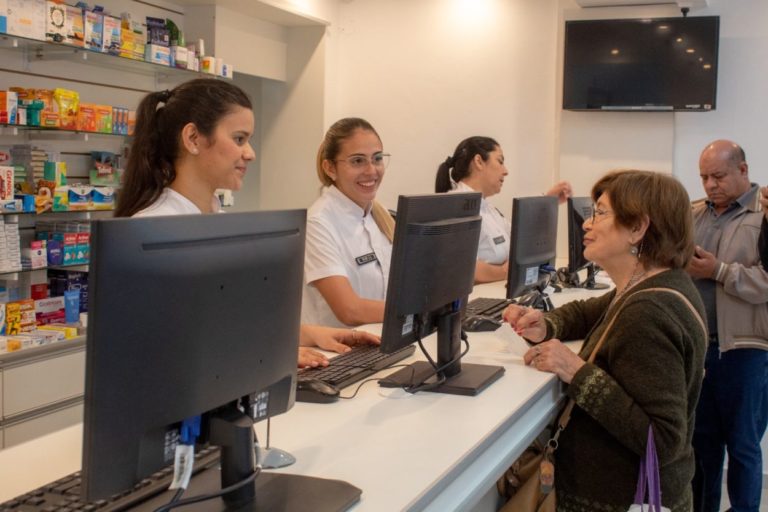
(55, 253)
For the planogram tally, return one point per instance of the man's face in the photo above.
(723, 181)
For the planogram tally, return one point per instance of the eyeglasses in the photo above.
(378, 160)
(598, 214)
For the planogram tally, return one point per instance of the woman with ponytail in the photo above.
(188, 142)
(477, 165)
(349, 234)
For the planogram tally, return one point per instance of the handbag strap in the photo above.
(649, 478)
(565, 417)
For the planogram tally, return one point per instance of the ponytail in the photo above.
(457, 167)
(146, 174)
(443, 180)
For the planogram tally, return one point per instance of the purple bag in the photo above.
(649, 480)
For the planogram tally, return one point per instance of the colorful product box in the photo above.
(103, 198)
(55, 21)
(69, 331)
(9, 105)
(94, 30)
(75, 26)
(82, 248)
(3, 16)
(69, 248)
(111, 35)
(6, 183)
(103, 118)
(39, 291)
(79, 197)
(133, 39)
(49, 311)
(86, 117)
(157, 54)
(26, 18)
(20, 316)
(179, 56)
(55, 252)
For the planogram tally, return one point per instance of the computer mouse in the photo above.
(315, 391)
(481, 323)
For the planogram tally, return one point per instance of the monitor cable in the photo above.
(437, 371)
(204, 497)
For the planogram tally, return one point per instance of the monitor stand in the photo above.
(590, 283)
(233, 432)
(466, 379)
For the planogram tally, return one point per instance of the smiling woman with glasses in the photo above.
(349, 234)
(648, 372)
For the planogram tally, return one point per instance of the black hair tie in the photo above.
(449, 161)
(165, 96)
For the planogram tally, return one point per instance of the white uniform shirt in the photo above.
(342, 240)
(171, 202)
(494, 232)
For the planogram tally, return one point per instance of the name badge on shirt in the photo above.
(366, 258)
(498, 240)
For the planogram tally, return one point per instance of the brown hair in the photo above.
(634, 195)
(155, 146)
(329, 150)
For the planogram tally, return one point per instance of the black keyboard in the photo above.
(355, 365)
(487, 307)
(63, 495)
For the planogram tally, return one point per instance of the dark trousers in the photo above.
(732, 414)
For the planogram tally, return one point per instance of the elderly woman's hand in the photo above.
(554, 357)
(527, 322)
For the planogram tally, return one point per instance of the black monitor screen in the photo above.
(641, 64)
(533, 242)
(189, 313)
(432, 272)
(579, 210)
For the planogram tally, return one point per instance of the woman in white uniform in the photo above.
(349, 234)
(477, 165)
(188, 142)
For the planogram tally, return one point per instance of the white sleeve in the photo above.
(323, 256)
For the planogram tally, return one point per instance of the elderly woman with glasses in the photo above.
(649, 368)
(349, 234)
(477, 165)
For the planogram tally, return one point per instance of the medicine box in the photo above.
(26, 18)
(55, 21)
(74, 25)
(111, 35)
(9, 104)
(94, 30)
(49, 311)
(6, 183)
(157, 54)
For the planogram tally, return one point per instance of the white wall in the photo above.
(429, 73)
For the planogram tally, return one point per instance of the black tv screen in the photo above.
(641, 64)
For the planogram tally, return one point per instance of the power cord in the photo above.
(204, 497)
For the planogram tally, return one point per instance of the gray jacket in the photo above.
(742, 292)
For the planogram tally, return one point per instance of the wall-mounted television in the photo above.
(660, 64)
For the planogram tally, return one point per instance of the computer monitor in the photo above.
(189, 315)
(431, 274)
(579, 210)
(533, 244)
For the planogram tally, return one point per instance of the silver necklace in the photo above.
(633, 280)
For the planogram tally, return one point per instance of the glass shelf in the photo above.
(46, 50)
(87, 214)
(43, 132)
(79, 267)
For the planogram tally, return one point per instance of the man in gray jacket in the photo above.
(733, 407)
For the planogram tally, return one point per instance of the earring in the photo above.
(633, 250)
(194, 151)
